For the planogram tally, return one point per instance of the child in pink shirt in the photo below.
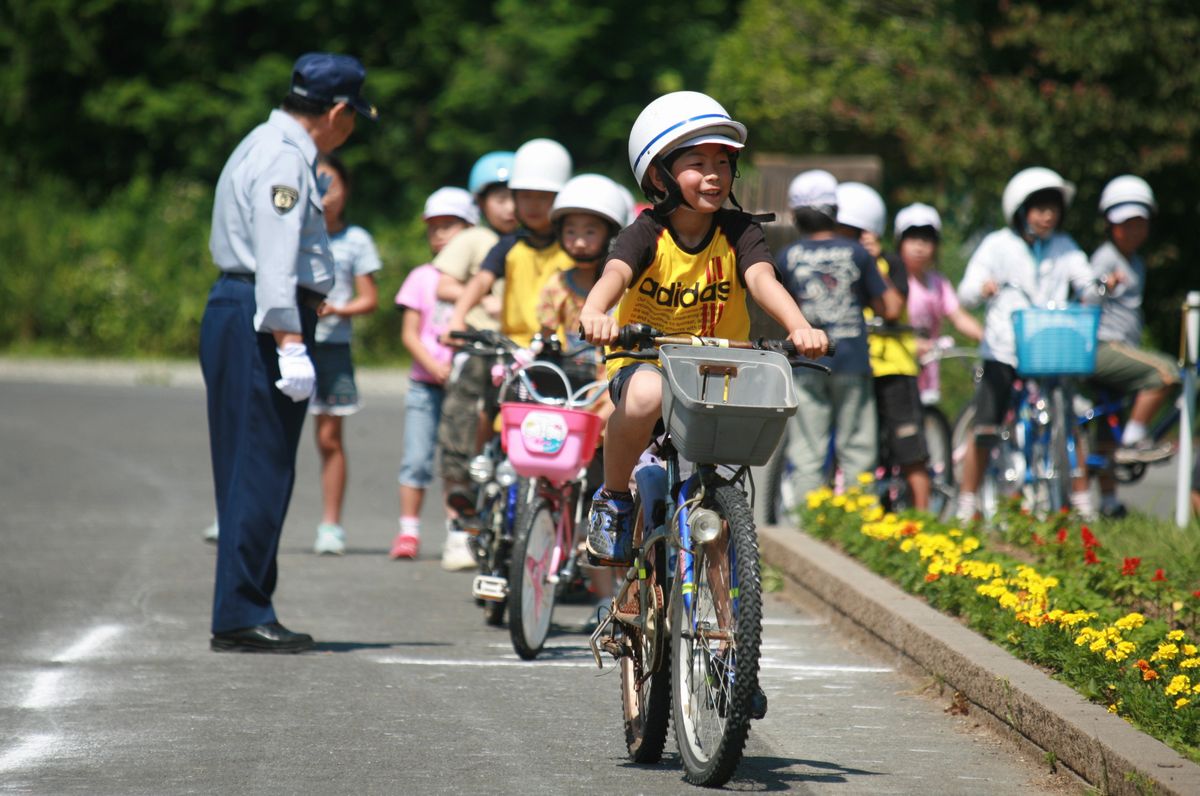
(447, 212)
(931, 297)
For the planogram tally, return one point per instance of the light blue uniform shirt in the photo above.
(268, 220)
(354, 255)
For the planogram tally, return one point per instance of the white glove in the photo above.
(297, 377)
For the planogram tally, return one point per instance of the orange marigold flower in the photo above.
(931, 577)
(909, 529)
(1149, 674)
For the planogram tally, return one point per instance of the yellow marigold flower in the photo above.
(1131, 621)
(1165, 652)
(1099, 644)
(1175, 635)
(1189, 663)
(1112, 708)
(906, 546)
(970, 544)
(873, 514)
(1177, 606)
(1188, 649)
(866, 478)
(1179, 684)
(839, 501)
(1181, 702)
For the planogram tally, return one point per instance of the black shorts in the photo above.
(993, 395)
(620, 379)
(898, 402)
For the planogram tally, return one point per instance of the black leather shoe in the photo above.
(271, 637)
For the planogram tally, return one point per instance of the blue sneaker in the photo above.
(610, 529)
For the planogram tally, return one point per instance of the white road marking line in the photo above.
(771, 663)
(29, 750)
(44, 693)
(89, 643)
(401, 660)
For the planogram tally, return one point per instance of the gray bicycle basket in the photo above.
(726, 405)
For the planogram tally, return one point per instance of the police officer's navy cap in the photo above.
(332, 78)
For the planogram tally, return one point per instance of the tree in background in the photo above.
(957, 96)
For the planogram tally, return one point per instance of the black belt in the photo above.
(308, 298)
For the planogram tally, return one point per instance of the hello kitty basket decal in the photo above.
(548, 441)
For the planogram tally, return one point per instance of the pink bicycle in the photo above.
(550, 443)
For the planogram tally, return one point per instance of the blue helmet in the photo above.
(492, 168)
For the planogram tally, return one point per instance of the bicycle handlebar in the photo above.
(633, 340)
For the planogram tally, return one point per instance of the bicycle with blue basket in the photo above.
(1035, 453)
(685, 623)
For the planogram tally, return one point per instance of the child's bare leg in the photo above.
(333, 466)
(630, 427)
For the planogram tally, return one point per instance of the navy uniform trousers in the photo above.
(254, 431)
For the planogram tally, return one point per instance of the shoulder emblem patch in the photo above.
(283, 198)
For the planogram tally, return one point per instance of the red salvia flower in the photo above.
(1062, 536)
(1159, 576)
(1089, 539)
(1089, 556)
(1131, 566)
(1038, 540)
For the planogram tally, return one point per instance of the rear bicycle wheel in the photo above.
(531, 594)
(939, 441)
(646, 663)
(779, 494)
(715, 638)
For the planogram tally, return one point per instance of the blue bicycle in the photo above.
(725, 405)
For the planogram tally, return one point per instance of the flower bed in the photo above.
(1120, 633)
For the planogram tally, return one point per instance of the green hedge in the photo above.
(131, 276)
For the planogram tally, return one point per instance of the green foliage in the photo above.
(956, 97)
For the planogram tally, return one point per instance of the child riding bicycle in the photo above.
(683, 267)
(1043, 264)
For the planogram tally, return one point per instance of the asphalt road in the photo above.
(107, 685)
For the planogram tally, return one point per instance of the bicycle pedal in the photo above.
(489, 587)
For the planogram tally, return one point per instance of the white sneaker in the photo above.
(212, 532)
(456, 554)
(331, 540)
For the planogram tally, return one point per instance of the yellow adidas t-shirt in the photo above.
(678, 290)
(892, 355)
(524, 267)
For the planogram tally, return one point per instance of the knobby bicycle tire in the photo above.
(531, 596)
(645, 696)
(712, 694)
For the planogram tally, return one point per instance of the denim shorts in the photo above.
(336, 392)
(422, 412)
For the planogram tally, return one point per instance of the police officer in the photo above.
(269, 242)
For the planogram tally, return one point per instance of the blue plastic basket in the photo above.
(1058, 342)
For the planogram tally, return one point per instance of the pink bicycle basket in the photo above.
(548, 441)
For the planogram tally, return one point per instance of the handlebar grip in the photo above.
(831, 348)
(462, 336)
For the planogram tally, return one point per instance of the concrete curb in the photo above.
(1099, 747)
(122, 372)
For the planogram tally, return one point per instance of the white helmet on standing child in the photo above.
(1029, 181)
(917, 216)
(1126, 197)
(860, 206)
(595, 194)
(675, 120)
(540, 165)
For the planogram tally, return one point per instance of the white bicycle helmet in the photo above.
(1029, 181)
(681, 118)
(1125, 197)
(540, 165)
(449, 201)
(861, 207)
(595, 194)
(915, 216)
(814, 188)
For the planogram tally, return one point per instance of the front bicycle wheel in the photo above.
(645, 660)
(1060, 463)
(531, 593)
(716, 630)
(938, 440)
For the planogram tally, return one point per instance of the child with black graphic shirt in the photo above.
(833, 278)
